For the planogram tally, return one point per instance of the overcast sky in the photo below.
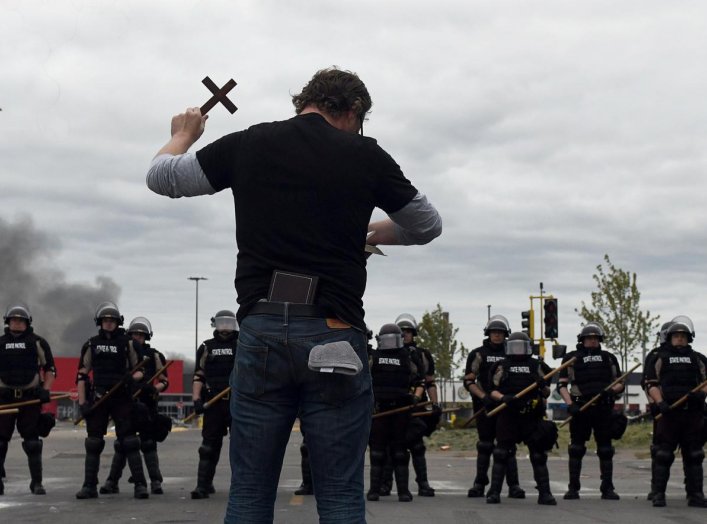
(547, 133)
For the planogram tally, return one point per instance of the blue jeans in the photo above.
(271, 386)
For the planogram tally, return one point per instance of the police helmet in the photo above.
(592, 329)
(687, 322)
(518, 344)
(224, 320)
(497, 323)
(140, 325)
(663, 333)
(18, 311)
(407, 321)
(682, 324)
(108, 310)
(390, 336)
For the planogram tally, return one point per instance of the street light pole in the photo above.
(196, 317)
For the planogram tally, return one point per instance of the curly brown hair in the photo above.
(334, 91)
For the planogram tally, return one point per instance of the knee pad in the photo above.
(378, 456)
(206, 451)
(502, 455)
(94, 445)
(117, 447)
(693, 456)
(418, 448)
(32, 447)
(400, 456)
(484, 447)
(148, 445)
(605, 452)
(664, 456)
(130, 444)
(576, 451)
(538, 458)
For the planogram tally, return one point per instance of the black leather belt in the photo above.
(293, 310)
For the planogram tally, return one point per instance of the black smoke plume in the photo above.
(62, 312)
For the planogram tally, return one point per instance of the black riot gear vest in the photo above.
(592, 370)
(679, 373)
(109, 358)
(221, 355)
(518, 374)
(390, 373)
(18, 358)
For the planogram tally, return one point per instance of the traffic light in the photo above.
(550, 318)
(528, 322)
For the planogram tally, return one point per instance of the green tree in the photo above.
(437, 334)
(615, 306)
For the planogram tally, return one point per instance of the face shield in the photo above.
(516, 348)
(389, 341)
(225, 324)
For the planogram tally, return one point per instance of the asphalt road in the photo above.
(450, 473)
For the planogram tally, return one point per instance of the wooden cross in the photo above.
(219, 95)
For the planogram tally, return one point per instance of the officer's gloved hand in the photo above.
(696, 398)
(199, 406)
(573, 409)
(510, 400)
(663, 407)
(150, 390)
(43, 395)
(436, 408)
(489, 403)
(128, 379)
(654, 409)
(541, 383)
(85, 408)
(416, 400)
(607, 397)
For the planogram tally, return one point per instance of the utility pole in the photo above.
(196, 317)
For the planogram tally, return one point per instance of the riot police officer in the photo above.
(26, 373)
(522, 420)
(420, 427)
(152, 426)
(662, 340)
(674, 373)
(593, 370)
(214, 363)
(111, 356)
(477, 381)
(393, 374)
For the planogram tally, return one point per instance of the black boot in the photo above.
(501, 456)
(152, 464)
(484, 449)
(203, 472)
(306, 487)
(419, 464)
(694, 478)
(606, 468)
(94, 447)
(663, 460)
(514, 489)
(131, 448)
(3, 454)
(33, 449)
(402, 475)
(576, 453)
(110, 486)
(377, 458)
(387, 480)
(542, 478)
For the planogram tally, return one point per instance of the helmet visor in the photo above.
(517, 347)
(225, 324)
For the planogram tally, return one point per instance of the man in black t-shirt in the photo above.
(304, 190)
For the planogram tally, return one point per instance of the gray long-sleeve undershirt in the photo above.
(175, 176)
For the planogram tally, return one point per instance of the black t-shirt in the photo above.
(304, 192)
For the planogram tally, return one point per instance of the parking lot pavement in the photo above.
(450, 472)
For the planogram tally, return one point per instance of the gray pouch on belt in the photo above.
(335, 357)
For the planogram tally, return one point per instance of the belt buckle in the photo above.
(18, 393)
